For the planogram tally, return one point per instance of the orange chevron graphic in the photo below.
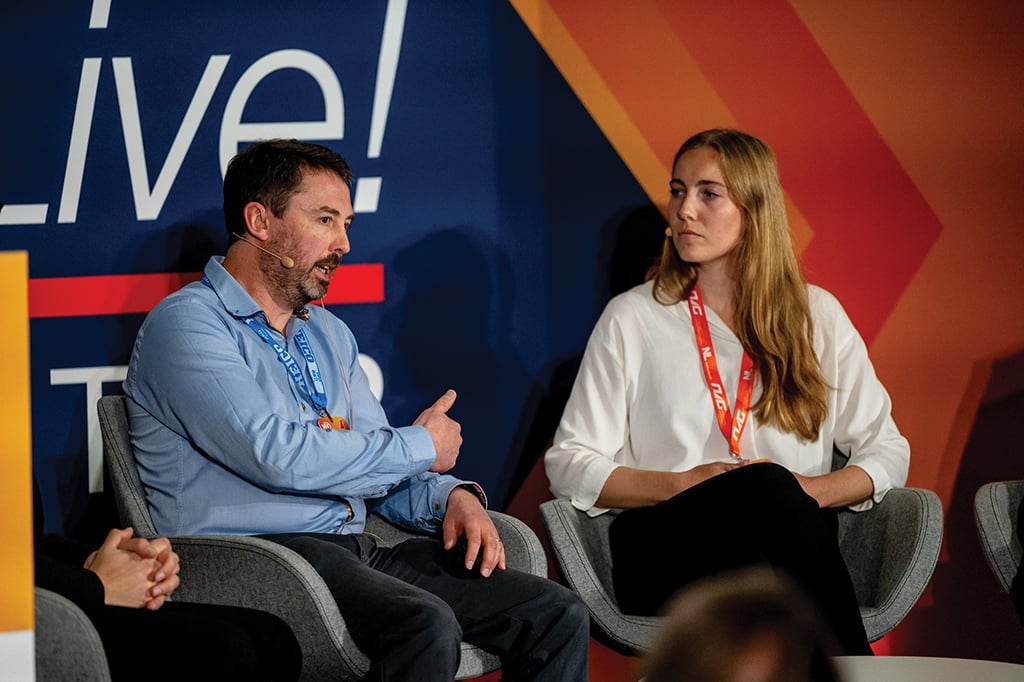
(685, 79)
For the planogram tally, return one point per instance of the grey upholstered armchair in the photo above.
(890, 550)
(67, 646)
(996, 507)
(253, 572)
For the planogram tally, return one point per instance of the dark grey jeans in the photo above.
(410, 606)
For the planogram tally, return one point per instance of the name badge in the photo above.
(336, 423)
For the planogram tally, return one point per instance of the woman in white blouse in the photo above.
(710, 397)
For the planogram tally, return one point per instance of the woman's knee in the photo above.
(767, 473)
(778, 500)
(767, 482)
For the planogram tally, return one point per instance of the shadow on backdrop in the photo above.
(451, 330)
(631, 243)
(970, 615)
(184, 248)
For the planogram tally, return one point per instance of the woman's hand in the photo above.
(627, 487)
(703, 472)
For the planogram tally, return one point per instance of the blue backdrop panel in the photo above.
(501, 212)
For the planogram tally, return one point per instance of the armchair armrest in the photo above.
(995, 513)
(523, 551)
(891, 551)
(66, 640)
(580, 546)
(257, 573)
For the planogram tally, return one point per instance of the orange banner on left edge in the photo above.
(16, 581)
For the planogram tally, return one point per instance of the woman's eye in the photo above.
(675, 192)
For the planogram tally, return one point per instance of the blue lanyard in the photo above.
(318, 397)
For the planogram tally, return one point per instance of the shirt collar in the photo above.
(236, 300)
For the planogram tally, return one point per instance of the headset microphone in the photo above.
(286, 262)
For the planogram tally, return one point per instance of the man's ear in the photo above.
(257, 219)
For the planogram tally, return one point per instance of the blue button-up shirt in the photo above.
(227, 442)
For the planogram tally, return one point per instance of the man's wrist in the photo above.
(473, 488)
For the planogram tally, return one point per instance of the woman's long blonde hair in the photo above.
(773, 319)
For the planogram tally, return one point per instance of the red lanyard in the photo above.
(732, 425)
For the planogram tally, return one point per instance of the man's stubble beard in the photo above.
(294, 286)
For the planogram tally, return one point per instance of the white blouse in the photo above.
(640, 400)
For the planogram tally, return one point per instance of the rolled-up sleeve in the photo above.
(864, 428)
(593, 427)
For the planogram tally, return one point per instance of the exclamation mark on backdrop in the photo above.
(368, 189)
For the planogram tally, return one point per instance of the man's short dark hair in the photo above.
(270, 172)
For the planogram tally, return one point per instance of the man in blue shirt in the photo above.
(251, 415)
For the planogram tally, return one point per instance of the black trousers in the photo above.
(188, 641)
(409, 607)
(755, 514)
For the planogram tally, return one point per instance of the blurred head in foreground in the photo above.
(752, 625)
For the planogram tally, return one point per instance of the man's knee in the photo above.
(565, 609)
(421, 640)
(438, 619)
(424, 620)
(574, 613)
(567, 601)
(558, 639)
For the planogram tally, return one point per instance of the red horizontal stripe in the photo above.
(121, 294)
(362, 283)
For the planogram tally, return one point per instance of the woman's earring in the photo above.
(668, 231)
